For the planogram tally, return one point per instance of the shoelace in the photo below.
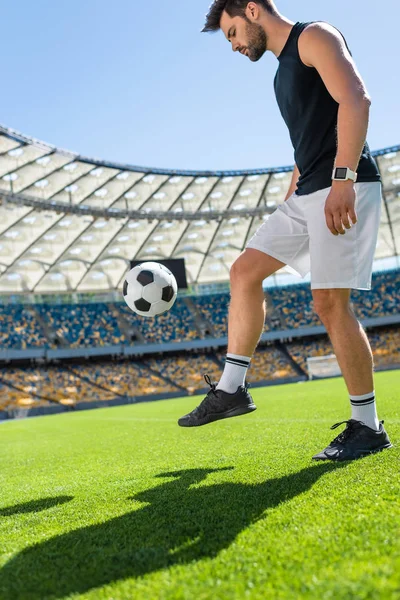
(348, 432)
(211, 400)
(209, 382)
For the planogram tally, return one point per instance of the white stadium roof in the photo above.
(72, 224)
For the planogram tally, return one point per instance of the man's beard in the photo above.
(257, 41)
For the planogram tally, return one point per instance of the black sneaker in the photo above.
(219, 405)
(355, 441)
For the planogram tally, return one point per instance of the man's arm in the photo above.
(321, 46)
(293, 183)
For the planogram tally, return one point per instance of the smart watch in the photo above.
(343, 173)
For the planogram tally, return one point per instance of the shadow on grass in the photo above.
(34, 506)
(180, 524)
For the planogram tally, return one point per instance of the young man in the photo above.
(328, 224)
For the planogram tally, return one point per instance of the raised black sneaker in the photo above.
(355, 441)
(219, 405)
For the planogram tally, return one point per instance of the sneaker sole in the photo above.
(361, 454)
(234, 412)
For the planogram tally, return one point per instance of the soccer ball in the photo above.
(150, 289)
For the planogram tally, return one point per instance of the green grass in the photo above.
(121, 503)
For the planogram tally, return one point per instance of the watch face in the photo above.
(341, 173)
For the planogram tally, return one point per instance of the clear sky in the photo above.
(136, 82)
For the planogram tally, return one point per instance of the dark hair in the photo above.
(234, 8)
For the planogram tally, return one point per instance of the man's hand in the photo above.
(340, 207)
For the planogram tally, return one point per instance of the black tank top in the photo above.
(311, 114)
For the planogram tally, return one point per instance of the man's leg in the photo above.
(363, 434)
(352, 350)
(348, 338)
(247, 309)
(247, 313)
(230, 398)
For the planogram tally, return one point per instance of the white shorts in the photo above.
(297, 235)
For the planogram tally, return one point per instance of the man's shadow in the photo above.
(180, 524)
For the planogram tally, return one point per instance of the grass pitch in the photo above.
(121, 503)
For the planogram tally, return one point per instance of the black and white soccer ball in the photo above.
(150, 289)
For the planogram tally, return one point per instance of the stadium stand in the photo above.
(306, 348)
(295, 305)
(384, 298)
(102, 381)
(385, 345)
(98, 324)
(91, 325)
(175, 326)
(107, 380)
(79, 383)
(215, 309)
(186, 370)
(19, 328)
(83, 325)
(94, 325)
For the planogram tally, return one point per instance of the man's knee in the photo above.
(253, 266)
(240, 269)
(331, 305)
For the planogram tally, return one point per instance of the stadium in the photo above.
(71, 226)
(111, 489)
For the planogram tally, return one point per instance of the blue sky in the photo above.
(136, 82)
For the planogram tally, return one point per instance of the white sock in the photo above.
(363, 408)
(234, 373)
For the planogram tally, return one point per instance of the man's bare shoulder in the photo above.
(319, 37)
